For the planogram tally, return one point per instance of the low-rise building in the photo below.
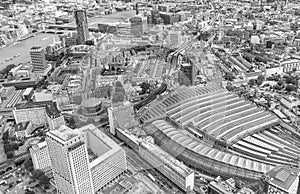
(169, 166)
(290, 101)
(23, 130)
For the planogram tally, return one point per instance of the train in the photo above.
(151, 96)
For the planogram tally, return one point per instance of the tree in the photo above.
(145, 86)
(10, 154)
(37, 174)
(229, 76)
(252, 82)
(260, 80)
(44, 180)
(28, 165)
(5, 136)
(290, 88)
(291, 80)
(29, 192)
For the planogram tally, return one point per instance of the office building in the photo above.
(138, 25)
(38, 59)
(39, 113)
(40, 157)
(121, 116)
(187, 74)
(174, 38)
(70, 161)
(176, 171)
(282, 180)
(107, 159)
(82, 26)
(84, 160)
(23, 130)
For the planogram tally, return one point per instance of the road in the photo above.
(23, 48)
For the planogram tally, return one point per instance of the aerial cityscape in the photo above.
(149, 97)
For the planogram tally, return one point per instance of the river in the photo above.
(23, 48)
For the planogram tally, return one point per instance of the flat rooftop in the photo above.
(64, 133)
(91, 102)
(39, 146)
(51, 107)
(285, 178)
(105, 145)
(168, 159)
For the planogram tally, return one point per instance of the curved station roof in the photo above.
(249, 132)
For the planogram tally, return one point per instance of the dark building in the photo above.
(169, 18)
(187, 74)
(82, 26)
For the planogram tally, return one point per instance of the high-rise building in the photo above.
(139, 25)
(84, 160)
(82, 26)
(70, 161)
(40, 157)
(38, 59)
(187, 74)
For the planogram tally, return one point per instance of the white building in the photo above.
(39, 113)
(40, 157)
(110, 161)
(84, 160)
(173, 169)
(289, 65)
(174, 38)
(70, 161)
(290, 101)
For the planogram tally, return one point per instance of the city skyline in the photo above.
(139, 97)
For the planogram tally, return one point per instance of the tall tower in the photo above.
(82, 26)
(70, 162)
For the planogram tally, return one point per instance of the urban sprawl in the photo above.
(150, 97)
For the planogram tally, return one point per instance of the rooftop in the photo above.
(39, 146)
(91, 102)
(285, 178)
(65, 133)
(168, 159)
(51, 107)
(106, 147)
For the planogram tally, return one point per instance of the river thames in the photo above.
(23, 48)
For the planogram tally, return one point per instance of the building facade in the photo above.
(138, 25)
(38, 59)
(70, 161)
(40, 157)
(110, 161)
(175, 38)
(176, 171)
(82, 26)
